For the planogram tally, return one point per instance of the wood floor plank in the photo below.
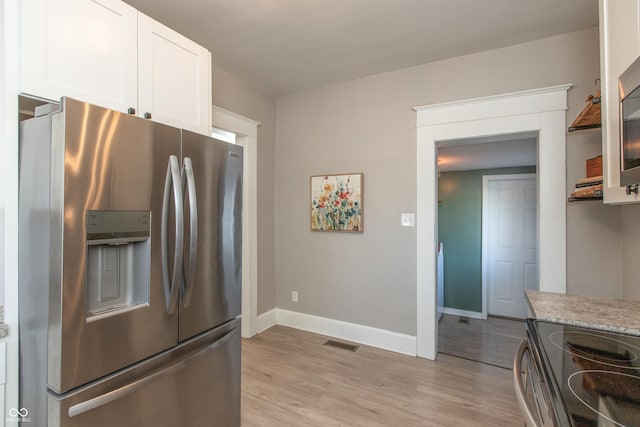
(289, 378)
(492, 341)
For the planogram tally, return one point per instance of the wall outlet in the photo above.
(294, 296)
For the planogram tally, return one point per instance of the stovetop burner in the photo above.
(594, 375)
(618, 395)
(597, 348)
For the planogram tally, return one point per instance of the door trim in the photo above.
(246, 131)
(485, 226)
(540, 112)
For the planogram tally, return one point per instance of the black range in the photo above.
(591, 377)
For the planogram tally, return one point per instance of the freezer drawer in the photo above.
(197, 384)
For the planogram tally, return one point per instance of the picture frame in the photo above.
(336, 203)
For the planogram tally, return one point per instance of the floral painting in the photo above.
(336, 202)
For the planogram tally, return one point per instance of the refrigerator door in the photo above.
(108, 308)
(196, 384)
(212, 294)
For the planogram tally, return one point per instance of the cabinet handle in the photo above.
(131, 110)
(147, 115)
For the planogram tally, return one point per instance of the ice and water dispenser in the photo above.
(118, 262)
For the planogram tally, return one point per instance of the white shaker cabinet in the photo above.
(619, 47)
(107, 53)
(174, 77)
(84, 49)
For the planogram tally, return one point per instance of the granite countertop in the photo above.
(600, 313)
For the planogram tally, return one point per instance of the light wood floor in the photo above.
(289, 378)
(493, 341)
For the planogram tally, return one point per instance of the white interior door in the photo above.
(511, 242)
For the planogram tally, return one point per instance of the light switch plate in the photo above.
(408, 220)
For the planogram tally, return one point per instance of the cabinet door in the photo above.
(84, 49)
(619, 47)
(174, 77)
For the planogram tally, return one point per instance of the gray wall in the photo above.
(630, 231)
(367, 125)
(234, 95)
(594, 250)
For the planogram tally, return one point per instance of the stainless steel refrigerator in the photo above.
(130, 272)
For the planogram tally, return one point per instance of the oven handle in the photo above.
(517, 382)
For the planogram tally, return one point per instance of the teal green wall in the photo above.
(460, 229)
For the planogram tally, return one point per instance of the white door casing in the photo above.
(509, 243)
(539, 111)
(246, 131)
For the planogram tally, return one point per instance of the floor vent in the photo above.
(342, 345)
(463, 319)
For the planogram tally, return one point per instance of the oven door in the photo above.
(531, 391)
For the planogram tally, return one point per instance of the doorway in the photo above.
(465, 168)
(539, 112)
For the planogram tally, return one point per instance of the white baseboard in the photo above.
(464, 313)
(374, 337)
(266, 320)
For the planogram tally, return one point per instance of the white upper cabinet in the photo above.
(107, 53)
(84, 49)
(174, 77)
(619, 47)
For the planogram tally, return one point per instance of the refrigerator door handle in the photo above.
(190, 271)
(104, 399)
(171, 287)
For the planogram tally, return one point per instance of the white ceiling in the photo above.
(488, 154)
(284, 46)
